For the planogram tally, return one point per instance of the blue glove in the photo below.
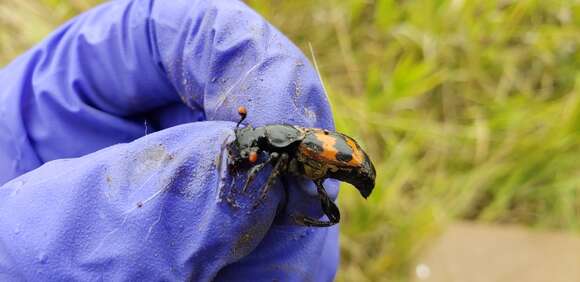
(75, 206)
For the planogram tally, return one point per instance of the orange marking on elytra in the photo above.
(357, 154)
(328, 149)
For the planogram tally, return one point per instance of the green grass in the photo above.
(470, 110)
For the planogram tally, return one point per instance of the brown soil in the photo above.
(484, 253)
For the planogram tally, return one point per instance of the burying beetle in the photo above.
(314, 153)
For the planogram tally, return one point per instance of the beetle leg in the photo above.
(255, 169)
(309, 221)
(279, 168)
(328, 207)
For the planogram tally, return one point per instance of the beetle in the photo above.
(314, 153)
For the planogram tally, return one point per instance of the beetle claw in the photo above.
(251, 175)
(311, 222)
(280, 167)
(329, 208)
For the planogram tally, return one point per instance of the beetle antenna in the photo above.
(243, 113)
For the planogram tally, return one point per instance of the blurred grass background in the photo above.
(470, 110)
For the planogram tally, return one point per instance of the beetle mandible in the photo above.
(314, 153)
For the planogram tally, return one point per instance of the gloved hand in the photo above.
(162, 207)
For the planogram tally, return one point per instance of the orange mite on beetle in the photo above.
(253, 157)
(314, 153)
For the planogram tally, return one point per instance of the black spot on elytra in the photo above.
(343, 151)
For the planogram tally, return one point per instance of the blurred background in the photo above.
(469, 109)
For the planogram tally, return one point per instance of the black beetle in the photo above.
(311, 152)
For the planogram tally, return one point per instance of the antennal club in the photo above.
(243, 113)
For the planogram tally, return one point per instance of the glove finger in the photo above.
(153, 209)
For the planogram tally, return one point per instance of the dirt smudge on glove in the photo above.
(249, 240)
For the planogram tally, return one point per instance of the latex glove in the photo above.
(156, 208)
